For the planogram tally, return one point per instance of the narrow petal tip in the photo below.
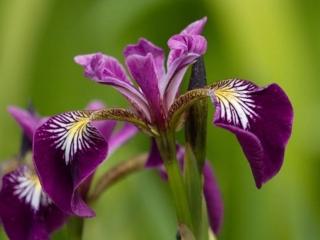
(196, 27)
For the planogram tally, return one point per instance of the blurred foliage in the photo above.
(264, 41)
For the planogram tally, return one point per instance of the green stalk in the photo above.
(75, 228)
(167, 146)
(195, 134)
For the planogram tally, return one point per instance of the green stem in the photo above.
(75, 228)
(167, 147)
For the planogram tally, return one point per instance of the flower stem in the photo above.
(167, 147)
(75, 228)
(117, 173)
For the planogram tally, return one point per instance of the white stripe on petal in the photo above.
(27, 188)
(236, 103)
(72, 132)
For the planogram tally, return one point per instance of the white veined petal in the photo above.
(72, 132)
(27, 188)
(236, 103)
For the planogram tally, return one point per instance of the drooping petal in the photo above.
(261, 118)
(196, 27)
(120, 137)
(25, 210)
(184, 51)
(143, 70)
(107, 70)
(145, 47)
(67, 150)
(28, 121)
(213, 198)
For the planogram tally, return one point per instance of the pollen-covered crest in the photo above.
(234, 97)
(72, 132)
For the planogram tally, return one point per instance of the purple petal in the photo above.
(213, 198)
(154, 158)
(25, 211)
(27, 121)
(143, 48)
(196, 27)
(120, 137)
(184, 51)
(261, 118)
(143, 70)
(67, 150)
(95, 105)
(107, 70)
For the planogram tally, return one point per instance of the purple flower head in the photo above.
(157, 87)
(211, 190)
(261, 118)
(68, 148)
(26, 211)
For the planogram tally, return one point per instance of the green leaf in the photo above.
(193, 184)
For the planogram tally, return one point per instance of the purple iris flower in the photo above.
(260, 117)
(26, 211)
(68, 148)
(211, 190)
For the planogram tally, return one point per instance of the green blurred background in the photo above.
(264, 41)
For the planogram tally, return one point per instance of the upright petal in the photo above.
(196, 27)
(25, 210)
(261, 118)
(107, 70)
(184, 51)
(28, 121)
(67, 150)
(143, 70)
(213, 198)
(185, 48)
(143, 48)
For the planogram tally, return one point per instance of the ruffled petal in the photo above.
(25, 210)
(213, 198)
(28, 121)
(107, 70)
(261, 118)
(143, 70)
(184, 51)
(67, 150)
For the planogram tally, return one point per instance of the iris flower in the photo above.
(26, 211)
(68, 149)
(260, 117)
